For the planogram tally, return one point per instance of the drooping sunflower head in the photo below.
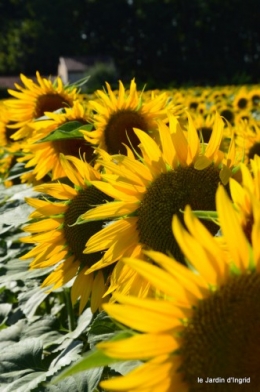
(44, 156)
(148, 192)
(205, 334)
(58, 242)
(116, 116)
(34, 99)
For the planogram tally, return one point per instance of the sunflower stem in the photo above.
(71, 319)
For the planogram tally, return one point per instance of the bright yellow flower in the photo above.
(149, 192)
(242, 100)
(60, 244)
(208, 326)
(248, 138)
(34, 99)
(8, 148)
(44, 157)
(116, 115)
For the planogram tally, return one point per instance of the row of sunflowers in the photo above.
(129, 251)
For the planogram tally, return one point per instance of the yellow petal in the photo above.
(158, 278)
(109, 210)
(140, 346)
(234, 236)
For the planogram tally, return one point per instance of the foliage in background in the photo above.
(158, 42)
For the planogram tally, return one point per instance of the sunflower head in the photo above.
(117, 114)
(34, 99)
(205, 333)
(248, 139)
(149, 191)
(60, 243)
(44, 156)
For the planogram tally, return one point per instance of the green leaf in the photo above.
(71, 354)
(31, 299)
(125, 367)
(83, 322)
(16, 216)
(17, 192)
(44, 328)
(79, 83)
(12, 333)
(5, 309)
(69, 130)
(17, 269)
(102, 328)
(80, 382)
(19, 358)
(93, 359)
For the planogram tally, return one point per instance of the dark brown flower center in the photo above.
(222, 339)
(193, 105)
(169, 193)
(206, 133)
(9, 132)
(242, 103)
(119, 129)
(228, 115)
(254, 150)
(255, 99)
(248, 226)
(77, 236)
(76, 147)
(49, 103)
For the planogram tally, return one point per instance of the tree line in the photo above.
(160, 42)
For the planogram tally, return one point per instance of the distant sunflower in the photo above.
(241, 100)
(149, 192)
(116, 115)
(205, 335)
(227, 112)
(204, 126)
(32, 100)
(59, 244)
(248, 138)
(254, 96)
(44, 157)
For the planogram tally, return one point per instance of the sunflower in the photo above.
(44, 156)
(241, 100)
(254, 96)
(246, 196)
(227, 112)
(149, 192)
(32, 100)
(9, 148)
(248, 138)
(60, 244)
(116, 115)
(204, 335)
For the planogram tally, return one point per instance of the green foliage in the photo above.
(162, 42)
(99, 74)
(40, 351)
(69, 130)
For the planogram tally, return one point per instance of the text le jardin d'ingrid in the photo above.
(221, 380)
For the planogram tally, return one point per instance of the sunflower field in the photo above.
(130, 238)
